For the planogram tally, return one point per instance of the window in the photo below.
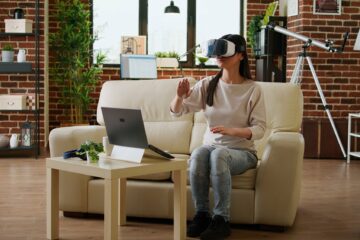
(111, 20)
(198, 21)
(166, 31)
(216, 18)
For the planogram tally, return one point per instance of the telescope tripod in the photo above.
(296, 79)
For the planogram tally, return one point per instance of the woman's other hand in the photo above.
(238, 132)
(222, 130)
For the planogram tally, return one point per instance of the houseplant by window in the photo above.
(72, 66)
(7, 53)
(258, 22)
(167, 59)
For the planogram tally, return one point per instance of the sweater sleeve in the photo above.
(257, 118)
(195, 102)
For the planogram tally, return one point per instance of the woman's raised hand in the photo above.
(183, 88)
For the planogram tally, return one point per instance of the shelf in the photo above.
(18, 148)
(355, 115)
(16, 34)
(15, 67)
(355, 134)
(351, 134)
(31, 71)
(22, 110)
(355, 154)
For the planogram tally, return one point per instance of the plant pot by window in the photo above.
(7, 56)
(167, 62)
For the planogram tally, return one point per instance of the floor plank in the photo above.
(329, 207)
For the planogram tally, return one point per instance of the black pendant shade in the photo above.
(172, 8)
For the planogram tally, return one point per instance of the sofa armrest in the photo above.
(73, 188)
(68, 138)
(278, 181)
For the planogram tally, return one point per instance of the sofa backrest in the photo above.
(283, 103)
(284, 111)
(153, 97)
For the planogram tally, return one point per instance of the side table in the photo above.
(114, 173)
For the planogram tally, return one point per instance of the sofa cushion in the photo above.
(163, 130)
(245, 180)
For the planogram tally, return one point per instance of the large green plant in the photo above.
(254, 27)
(259, 21)
(71, 46)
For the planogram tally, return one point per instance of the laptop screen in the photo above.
(125, 127)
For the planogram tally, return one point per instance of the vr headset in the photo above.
(220, 48)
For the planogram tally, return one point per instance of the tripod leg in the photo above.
(325, 104)
(296, 77)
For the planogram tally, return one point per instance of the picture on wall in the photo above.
(133, 45)
(327, 7)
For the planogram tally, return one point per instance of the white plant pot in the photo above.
(167, 62)
(7, 56)
(89, 159)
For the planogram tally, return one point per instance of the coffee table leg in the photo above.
(180, 204)
(122, 202)
(52, 203)
(111, 209)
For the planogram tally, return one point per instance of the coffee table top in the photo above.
(112, 169)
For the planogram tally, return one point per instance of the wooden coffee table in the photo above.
(115, 174)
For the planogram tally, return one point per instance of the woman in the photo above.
(234, 108)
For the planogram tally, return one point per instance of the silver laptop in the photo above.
(125, 127)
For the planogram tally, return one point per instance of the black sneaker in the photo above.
(199, 224)
(217, 230)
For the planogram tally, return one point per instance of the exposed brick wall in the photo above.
(10, 122)
(338, 74)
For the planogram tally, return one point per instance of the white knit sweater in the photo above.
(235, 106)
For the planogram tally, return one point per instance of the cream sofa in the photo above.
(266, 195)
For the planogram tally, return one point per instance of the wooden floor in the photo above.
(329, 207)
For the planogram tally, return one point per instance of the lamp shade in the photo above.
(172, 8)
(357, 42)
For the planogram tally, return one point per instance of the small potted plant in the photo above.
(92, 150)
(167, 59)
(7, 53)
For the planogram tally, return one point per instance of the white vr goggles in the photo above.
(220, 48)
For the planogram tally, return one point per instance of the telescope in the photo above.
(328, 45)
(295, 79)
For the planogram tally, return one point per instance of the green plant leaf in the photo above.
(8, 47)
(270, 11)
(254, 27)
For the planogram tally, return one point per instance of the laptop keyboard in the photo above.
(161, 152)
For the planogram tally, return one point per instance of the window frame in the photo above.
(191, 27)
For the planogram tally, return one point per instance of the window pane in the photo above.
(216, 18)
(166, 31)
(113, 19)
